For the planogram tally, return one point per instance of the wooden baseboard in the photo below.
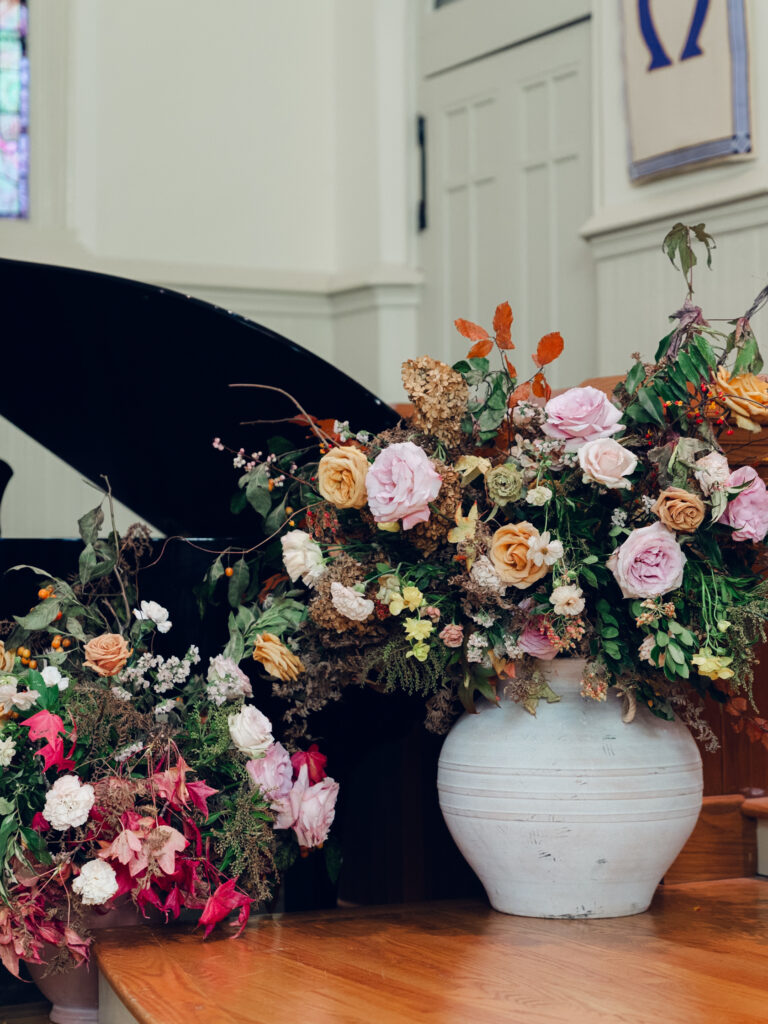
(723, 844)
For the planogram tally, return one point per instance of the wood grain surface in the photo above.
(698, 955)
(723, 844)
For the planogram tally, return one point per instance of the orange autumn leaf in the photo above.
(521, 394)
(540, 387)
(502, 325)
(549, 348)
(469, 330)
(510, 368)
(480, 348)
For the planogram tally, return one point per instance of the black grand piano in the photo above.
(147, 388)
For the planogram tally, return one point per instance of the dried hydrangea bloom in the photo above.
(439, 395)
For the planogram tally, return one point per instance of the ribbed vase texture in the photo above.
(570, 813)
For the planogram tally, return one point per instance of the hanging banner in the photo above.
(687, 83)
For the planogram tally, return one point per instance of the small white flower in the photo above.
(52, 677)
(154, 612)
(129, 751)
(164, 708)
(121, 693)
(302, 557)
(226, 681)
(349, 603)
(619, 518)
(96, 883)
(645, 648)
(567, 600)
(7, 750)
(538, 495)
(251, 732)
(68, 803)
(544, 551)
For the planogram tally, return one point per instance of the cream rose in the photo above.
(606, 462)
(279, 662)
(251, 732)
(341, 477)
(512, 556)
(302, 557)
(107, 654)
(679, 510)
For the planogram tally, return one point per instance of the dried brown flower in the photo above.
(427, 537)
(439, 395)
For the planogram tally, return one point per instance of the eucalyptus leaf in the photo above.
(90, 524)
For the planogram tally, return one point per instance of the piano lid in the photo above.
(132, 381)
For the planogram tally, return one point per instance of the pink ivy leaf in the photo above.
(199, 793)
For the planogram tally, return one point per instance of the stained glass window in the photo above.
(14, 109)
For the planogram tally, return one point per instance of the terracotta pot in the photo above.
(570, 813)
(74, 993)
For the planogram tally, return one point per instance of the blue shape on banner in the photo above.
(692, 48)
(659, 57)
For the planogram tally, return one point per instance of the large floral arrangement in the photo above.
(500, 526)
(129, 775)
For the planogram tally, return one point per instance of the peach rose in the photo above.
(341, 477)
(747, 396)
(512, 556)
(107, 654)
(679, 510)
(279, 662)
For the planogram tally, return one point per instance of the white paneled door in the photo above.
(508, 185)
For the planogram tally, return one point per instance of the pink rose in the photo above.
(400, 484)
(579, 415)
(606, 462)
(534, 641)
(313, 759)
(308, 810)
(272, 774)
(452, 635)
(649, 563)
(747, 513)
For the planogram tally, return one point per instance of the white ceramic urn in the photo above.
(571, 813)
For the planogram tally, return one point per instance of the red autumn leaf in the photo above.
(521, 394)
(199, 793)
(481, 348)
(221, 903)
(44, 726)
(469, 330)
(510, 368)
(549, 348)
(540, 387)
(313, 759)
(502, 325)
(269, 585)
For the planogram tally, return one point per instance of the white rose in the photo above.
(606, 462)
(538, 495)
(302, 557)
(96, 883)
(7, 750)
(154, 612)
(712, 471)
(52, 677)
(68, 803)
(568, 600)
(251, 731)
(349, 603)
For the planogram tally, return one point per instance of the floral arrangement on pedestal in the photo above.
(501, 525)
(126, 775)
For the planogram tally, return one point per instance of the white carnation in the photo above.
(68, 803)
(96, 883)
(302, 557)
(538, 495)
(52, 677)
(251, 732)
(7, 750)
(349, 603)
(154, 612)
(568, 600)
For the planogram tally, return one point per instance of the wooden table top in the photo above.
(700, 954)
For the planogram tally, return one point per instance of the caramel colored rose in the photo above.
(107, 654)
(747, 396)
(272, 653)
(512, 557)
(7, 658)
(679, 510)
(341, 477)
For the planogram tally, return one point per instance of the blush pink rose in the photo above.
(579, 415)
(747, 513)
(308, 810)
(535, 642)
(452, 635)
(606, 462)
(400, 484)
(272, 774)
(649, 563)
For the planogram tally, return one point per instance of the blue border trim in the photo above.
(741, 140)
